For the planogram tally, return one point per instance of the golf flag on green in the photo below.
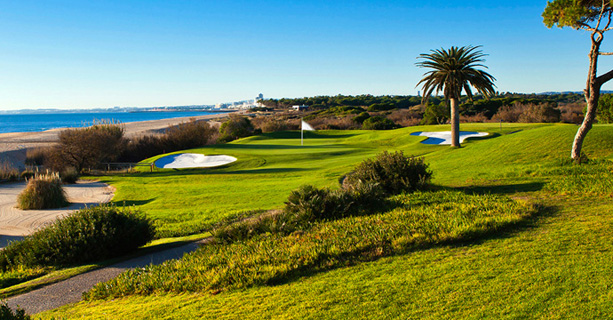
(304, 126)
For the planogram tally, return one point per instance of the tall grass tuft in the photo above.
(8, 171)
(44, 191)
(88, 235)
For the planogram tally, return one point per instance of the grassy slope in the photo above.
(557, 266)
(269, 167)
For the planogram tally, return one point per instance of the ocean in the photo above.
(47, 121)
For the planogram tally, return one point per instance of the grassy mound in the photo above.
(43, 192)
(91, 234)
(421, 220)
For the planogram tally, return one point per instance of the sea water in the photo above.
(47, 121)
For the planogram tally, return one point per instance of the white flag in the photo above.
(306, 126)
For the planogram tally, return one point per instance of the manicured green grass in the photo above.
(553, 264)
(268, 168)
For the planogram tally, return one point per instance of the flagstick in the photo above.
(301, 136)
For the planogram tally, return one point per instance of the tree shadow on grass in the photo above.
(307, 135)
(503, 189)
(127, 203)
(374, 252)
(191, 172)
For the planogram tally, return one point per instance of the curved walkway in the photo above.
(71, 290)
(16, 223)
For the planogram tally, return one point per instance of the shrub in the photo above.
(394, 172)
(90, 234)
(37, 156)
(436, 114)
(605, 108)
(381, 107)
(187, 135)
(405, 118)
(235, 127)
(27, 174)
(87, 147)
(378, 123)
(43, 192)
(8, 171)
(6, 313)
(360, 118)
(69, 175)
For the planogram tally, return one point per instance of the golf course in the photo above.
(510, 228)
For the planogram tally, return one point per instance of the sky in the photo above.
(100, 54)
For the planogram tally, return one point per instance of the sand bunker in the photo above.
(192, 160)
(16, 223)
(444, 137)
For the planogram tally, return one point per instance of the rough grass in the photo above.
(419, 221)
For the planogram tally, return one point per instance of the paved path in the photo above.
(71, 290)
(16, 223)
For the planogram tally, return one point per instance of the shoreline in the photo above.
(14, 145)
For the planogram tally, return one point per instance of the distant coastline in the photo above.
(14, 145)
(43, 121)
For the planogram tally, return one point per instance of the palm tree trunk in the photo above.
(455, 122)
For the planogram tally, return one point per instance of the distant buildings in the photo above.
(241, 105)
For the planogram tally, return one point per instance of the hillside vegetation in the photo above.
(511, 229)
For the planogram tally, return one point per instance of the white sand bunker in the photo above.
(192, 160)
(444, 137)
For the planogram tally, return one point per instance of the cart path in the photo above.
(16, 223)
(71, 290)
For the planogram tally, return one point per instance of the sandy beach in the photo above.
(13, 146)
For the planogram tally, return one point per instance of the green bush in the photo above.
(69, 175)
(43, 192)
(90, 234)
(360, 118)
(394, 172)
(378, 123)
(236, 127)
(6, 313)
(381, 107)
(303, 207)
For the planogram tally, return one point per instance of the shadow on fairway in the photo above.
(191, 172)
(503, 189)
(307, 135)
(338, 260)
(126, 203)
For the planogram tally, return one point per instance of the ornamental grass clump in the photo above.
(394, 172)
(44, 191)
(88, 235)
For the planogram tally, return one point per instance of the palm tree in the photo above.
(455, 70)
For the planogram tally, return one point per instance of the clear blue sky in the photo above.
(86, 54)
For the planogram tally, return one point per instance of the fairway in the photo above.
(552, 261)
(185, 201)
